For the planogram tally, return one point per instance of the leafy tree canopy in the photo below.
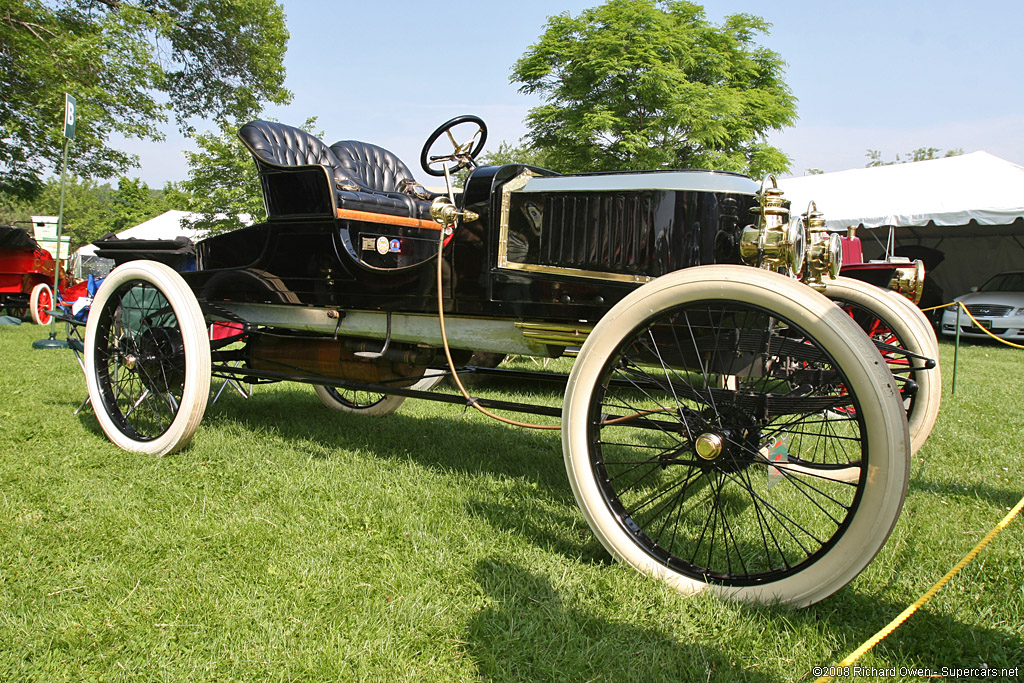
(643, 84)
(132, 65)
(92, 210)
(223, 186)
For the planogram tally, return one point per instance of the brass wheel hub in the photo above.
(708, 445)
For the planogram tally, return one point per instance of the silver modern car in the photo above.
(998, 306)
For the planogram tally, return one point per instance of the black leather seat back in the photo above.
(359, 176)
(371, 167)
(281, 145)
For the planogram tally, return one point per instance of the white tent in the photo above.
(970, 207)
(166, 226)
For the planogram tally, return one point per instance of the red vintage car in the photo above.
(26, 276)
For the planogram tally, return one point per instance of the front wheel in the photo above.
(147, 358)
(896, 331)
(40, 302)
(728, 429)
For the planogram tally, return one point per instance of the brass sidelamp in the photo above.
(774, 241)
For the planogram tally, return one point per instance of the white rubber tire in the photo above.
(883, 485)
(887, 307)
(37, 299)
(196, 344)
(916, 317)
(385, 405)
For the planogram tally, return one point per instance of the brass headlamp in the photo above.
(824, 251)
(908, 280)
(774, 241)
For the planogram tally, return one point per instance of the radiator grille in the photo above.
(989, 310)
(604, 232)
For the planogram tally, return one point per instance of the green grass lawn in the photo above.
(291, 543)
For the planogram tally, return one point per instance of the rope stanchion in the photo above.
(905, 614)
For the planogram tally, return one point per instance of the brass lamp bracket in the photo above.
(444, 211)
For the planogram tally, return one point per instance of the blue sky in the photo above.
(891, 76)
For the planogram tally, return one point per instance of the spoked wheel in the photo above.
(358, 401)
(916, 317)
(20, 312)
(727, 428)
(147, 358)
(368, 402)
(895, 331)
(40, 302)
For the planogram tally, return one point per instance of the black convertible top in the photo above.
(12, 237)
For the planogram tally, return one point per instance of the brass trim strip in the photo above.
(576, 272)
(518, 183)
(387, 219)
(555, 327)
(554, 333)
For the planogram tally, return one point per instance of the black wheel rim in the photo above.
(782, 441)
(356, 399)
(140, 360)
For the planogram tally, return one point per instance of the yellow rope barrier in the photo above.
(976, 323)
(898, 621)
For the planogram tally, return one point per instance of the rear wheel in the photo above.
(896, 330)
(728, 429)
(367, 402)
(20, 312)
(358, 400)
(147, 358)
(40, 301)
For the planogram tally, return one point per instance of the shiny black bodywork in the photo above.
(583, 250)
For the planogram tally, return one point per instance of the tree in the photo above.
(521, 153)
(222, 184)
(91, 210)
(642, 84)
(919, 154)
(131, 204)
(132, 65)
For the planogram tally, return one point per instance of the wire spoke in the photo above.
(742, 380)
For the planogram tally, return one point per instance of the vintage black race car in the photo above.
(725, 426)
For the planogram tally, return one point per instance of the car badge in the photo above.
(396, 247)
(383, 245)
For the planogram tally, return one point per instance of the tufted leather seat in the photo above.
(363, 177)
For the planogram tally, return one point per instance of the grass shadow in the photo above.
(451, 441)
(1003, 497)
(531, 632)
(928, 639)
